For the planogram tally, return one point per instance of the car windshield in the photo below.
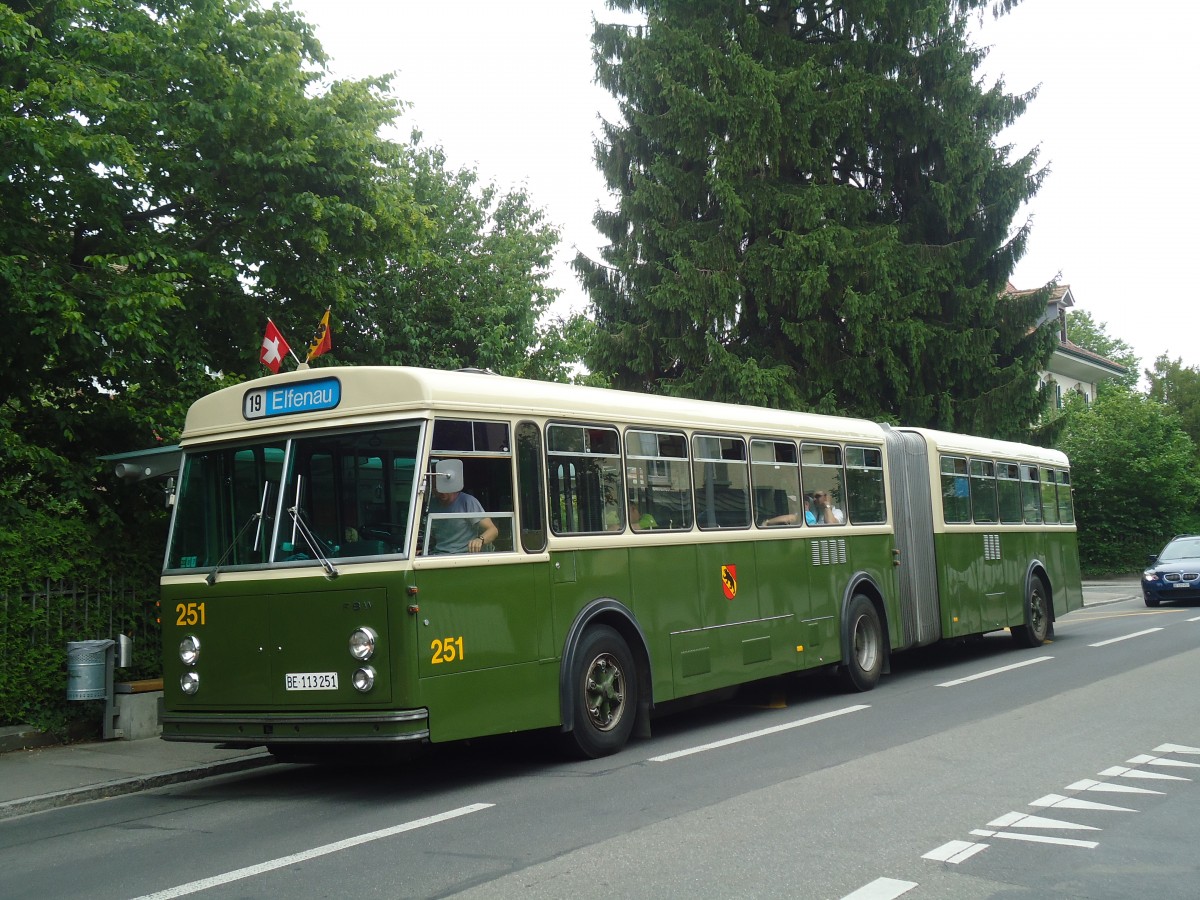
(343, 495)
(1181, 548)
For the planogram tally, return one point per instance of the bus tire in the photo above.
(604, 680)
(1036, 629)
(864, 644)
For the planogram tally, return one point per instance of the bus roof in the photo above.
(372, 394)
(965, 444)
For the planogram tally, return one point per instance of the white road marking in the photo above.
(1125, 637)
(1036, 838)
(989, 672)
(1175, 748)
(1126, 772)
(1146, 760)
(1024, 820)
(954, 851)
(1089, 784)
(763, 732)
(270, 865)
(1058, 801)
(1196, 619)
(882, 889)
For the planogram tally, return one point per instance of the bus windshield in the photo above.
(351, 493)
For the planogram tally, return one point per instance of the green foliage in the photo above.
(812, 213)
(1135, 478)
(1178, 387)
(173, 172)
(475, 293)
(46, 552)
(1091, 335)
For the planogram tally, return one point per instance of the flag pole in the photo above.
(290, 350)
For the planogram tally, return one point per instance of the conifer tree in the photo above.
(813, 212)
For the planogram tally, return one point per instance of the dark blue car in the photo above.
(1175, 573)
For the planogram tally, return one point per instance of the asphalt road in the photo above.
(976, 770)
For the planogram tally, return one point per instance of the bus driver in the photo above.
(460, 534)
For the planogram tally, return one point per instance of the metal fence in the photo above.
(55, 613)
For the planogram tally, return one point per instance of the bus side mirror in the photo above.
(447, 476)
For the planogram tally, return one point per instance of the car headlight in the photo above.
(1149, 575)
(189, 682)
(364, 679)
(189, 650)
(362, 643)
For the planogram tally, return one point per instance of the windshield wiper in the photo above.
(299, 525)
(258, 517)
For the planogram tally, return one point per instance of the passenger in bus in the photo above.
(639, 521)
(462, 534)
(824, 510)
(810, 517)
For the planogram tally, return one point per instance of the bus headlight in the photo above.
(364, 679)
(362, 643)
(189, 650)
(189, 682)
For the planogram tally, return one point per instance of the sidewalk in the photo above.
(59, 775)
(49, 777)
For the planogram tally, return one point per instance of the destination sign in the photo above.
(288, 399)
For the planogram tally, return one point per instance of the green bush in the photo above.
(63, 581)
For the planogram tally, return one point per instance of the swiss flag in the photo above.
(274, 348)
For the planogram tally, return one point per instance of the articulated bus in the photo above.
(400, 556)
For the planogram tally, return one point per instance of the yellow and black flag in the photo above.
(322, 342)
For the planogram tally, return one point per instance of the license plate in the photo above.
(310, 681)
(1183, 584)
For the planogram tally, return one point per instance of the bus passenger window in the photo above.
(956, 490)
(864, 485)
(1066, 511)
(775, 475)
(822, 476)
(1031, 495)
(658, 482)
(983, 491)
(583, 467)
(1049, 498)
(1008, 482)
(722, 481)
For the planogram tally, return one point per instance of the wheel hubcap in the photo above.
(604, 692)
(866, 645)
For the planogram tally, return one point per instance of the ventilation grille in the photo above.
(828, 552)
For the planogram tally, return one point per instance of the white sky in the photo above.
(506, 86)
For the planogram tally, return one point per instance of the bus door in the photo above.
(479, 599)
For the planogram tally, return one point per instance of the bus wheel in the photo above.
(605, 684)
(1037, 617)
(860, 671)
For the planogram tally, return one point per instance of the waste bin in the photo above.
(87, 671)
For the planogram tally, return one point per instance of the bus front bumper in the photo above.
(250, 730)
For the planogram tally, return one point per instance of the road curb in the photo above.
(13, 808)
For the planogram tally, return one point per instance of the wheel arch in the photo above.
(863, 583)
(616, 615)
(1037, 569)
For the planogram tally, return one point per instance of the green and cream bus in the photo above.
(391, 555)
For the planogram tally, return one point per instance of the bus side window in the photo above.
(864, 485)
(1030, 495)
(722, 481)
(823, 478)
(530, 490)
(775, 474)
(583, 467)
(983, 491)
(658, 481)
(1008, 485)
(1066, 511)
(956, 490)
